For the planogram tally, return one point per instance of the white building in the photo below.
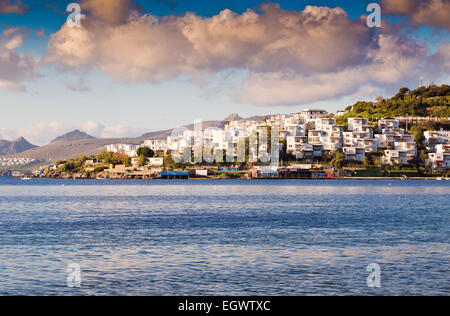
(127, 149)
(354, 153)
(156, 144)
(388, 124)
(392, 157)
(295, 144)
(409, 147)
(311, 115)
(354, 123)
(441, 158)
(433, 138)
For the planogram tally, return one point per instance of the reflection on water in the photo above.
(224, 238)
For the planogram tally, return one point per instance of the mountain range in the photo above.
(72, 136)
(78, 143)
(14, 147)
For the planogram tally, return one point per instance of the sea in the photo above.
(224, 237)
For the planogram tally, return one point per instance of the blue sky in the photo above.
(57, 98)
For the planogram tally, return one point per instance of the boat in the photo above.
(439, 179)
(25, 178)
(100, 178)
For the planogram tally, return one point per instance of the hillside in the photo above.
(77, 143)
(72, 136)
(220, 124)
(15, 147)
(422, 102)
(68, 149)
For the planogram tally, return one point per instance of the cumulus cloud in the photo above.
(146, 48)
(291, 57)
(441, 59)
(399, 6)
(112, 12)
(394, 60)
(12, 7)
(435, 13)
(15, 67)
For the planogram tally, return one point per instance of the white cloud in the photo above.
(291, 57)
(146, 48)
(15, 67)
(435, 13)
(12, 7)
(394, 60)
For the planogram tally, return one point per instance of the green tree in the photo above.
(145, 151)
(423, 156)
(106, 157)
(127, 162)
(338, 161)
(417, 131)
(142, 160)
(366, 162)
(119, 158)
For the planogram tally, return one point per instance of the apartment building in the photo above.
(311, 115)
(409, 147)
(392, 157)
(354, 123)
(433, 138)
(156, 145)
(354, 153)
(127, 149)
(390, 124)
(440, 159)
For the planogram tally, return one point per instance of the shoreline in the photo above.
(248, 179)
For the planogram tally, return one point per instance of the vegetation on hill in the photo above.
(431, 101)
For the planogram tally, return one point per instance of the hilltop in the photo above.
(59, 150)
(72, 136)
(432, 101)
(15, 147)
(78, 143)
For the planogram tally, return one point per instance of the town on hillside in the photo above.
(311, 144)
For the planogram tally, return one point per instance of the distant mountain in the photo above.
(72, 136)
(220, 124)
(15, 147)
(78, 143)
(157, 135)
(233, 117)
(61, 150)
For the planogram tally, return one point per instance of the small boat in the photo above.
(439, 179)
(100, 178)
(25, 178)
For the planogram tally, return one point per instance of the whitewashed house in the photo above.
(409, 147)
(354, 153)
(390, 124)
(392, 157)
(156, 144)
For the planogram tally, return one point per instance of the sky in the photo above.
(139, 66)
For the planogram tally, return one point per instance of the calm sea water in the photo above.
(224, 237)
